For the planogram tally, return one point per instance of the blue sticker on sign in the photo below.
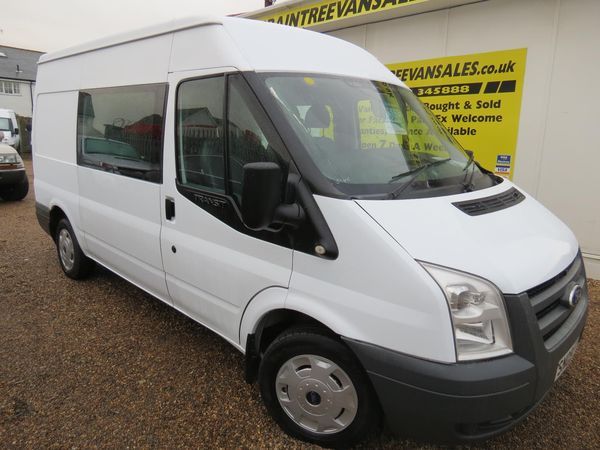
(503, 159)
(502, 169)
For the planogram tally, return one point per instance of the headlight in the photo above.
(11, 158)
(477, 311)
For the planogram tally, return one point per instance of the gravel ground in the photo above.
(99, 363)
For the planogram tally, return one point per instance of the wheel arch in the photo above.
(270, 325)
(56, 214)
(60, 210)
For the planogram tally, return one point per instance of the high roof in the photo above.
(133, 35)
(148, 55)
(19, 64)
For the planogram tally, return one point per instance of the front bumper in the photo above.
(477, 400)
(12, 176)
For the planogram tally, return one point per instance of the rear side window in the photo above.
(120, 130)
(200, 160)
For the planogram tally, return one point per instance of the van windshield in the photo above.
(5, 124)
(372, 138)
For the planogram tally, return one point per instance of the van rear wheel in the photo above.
(316, 390)
(72, 260)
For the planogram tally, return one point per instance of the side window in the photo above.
(248, 141)
(200, 161)
(120, 130)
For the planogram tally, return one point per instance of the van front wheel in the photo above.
(72, 260)
(316, 390)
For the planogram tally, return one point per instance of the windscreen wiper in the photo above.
(414, 174)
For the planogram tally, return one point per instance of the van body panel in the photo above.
(134, 270)
(55, 158)
(131, 36)
(374, 291)
(57, 132)
(142, 62)
(212, 270)
(121, 219)
(120, 65)
(221, 52)
(268, 47)
(60, 76)
(517, 248)
(213, 276)
(267, 300)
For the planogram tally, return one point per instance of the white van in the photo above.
(284, 189)
(9, 128)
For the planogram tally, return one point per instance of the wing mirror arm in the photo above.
(262, 206)
(291, 214)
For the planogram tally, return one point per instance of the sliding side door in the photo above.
(120, 139)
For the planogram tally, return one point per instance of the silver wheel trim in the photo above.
(66, 249)
(316, 394)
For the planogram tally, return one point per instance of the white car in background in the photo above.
(14, 184)
(10, 128)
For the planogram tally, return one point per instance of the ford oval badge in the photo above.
(574, 295)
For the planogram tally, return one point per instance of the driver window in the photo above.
(248, 141)
(200, 162)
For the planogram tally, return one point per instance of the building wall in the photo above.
(558, 154)
(19, 103)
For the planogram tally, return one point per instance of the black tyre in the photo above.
(316, 390)
(72, 260)
(17, 192)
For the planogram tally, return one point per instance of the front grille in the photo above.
(490, 204)
(549, 300)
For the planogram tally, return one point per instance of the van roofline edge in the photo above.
(113, 40)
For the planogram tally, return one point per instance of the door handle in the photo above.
(169, 208)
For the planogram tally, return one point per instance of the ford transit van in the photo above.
(284, 189)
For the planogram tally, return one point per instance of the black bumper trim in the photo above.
(43, 216)
(12, 177)
(437, 401)
(452, 396)
(461, 379)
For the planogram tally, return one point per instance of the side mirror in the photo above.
(16, 131)
(261, 194)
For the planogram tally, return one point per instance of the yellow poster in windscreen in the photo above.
(477, 98)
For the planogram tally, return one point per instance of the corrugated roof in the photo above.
(25, 59)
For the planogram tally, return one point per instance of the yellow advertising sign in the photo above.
(477, 98)
(325, 11)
